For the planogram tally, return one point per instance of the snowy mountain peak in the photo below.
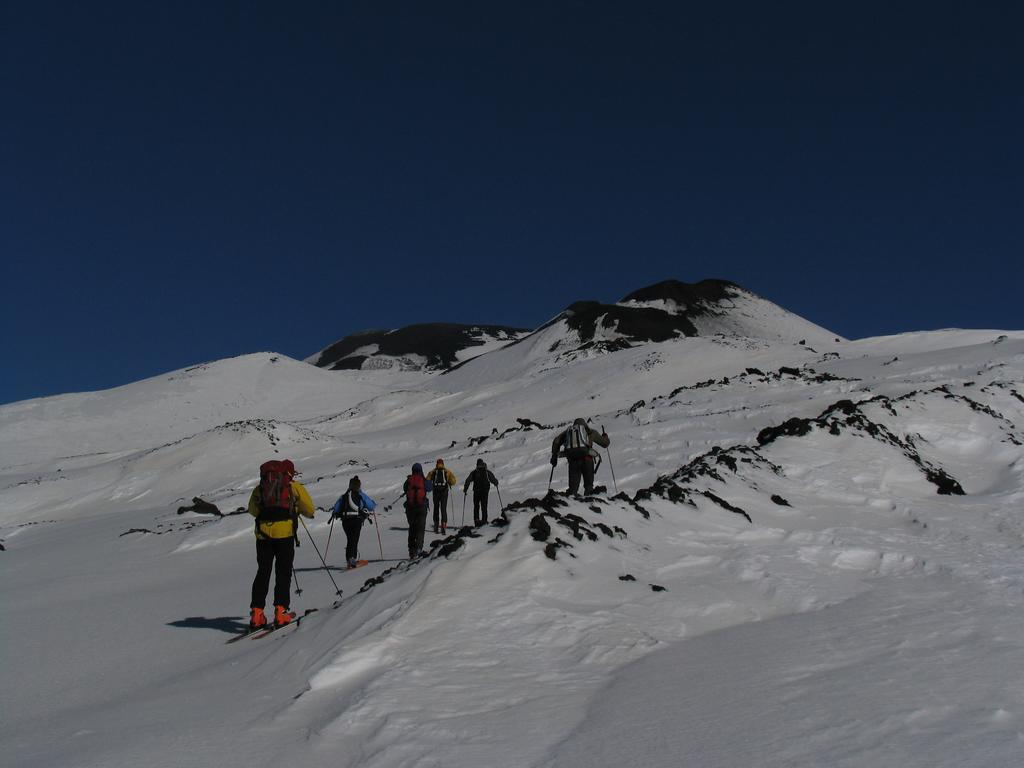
(713, 307)
(665, 312)
(673, 309)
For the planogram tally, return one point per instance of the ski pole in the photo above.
(295, 577)
(552, 477)
(463, 509)
(501, 505)
(389, 506)
(329, 534)
(376, 524)
(612, 468)
(337, 589)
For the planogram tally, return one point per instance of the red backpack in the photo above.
(415, 491)
(276, 485)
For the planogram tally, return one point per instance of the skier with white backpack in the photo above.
(353, 508)
(577, 445)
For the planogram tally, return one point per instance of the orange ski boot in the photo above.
(282, 616)
(257, 618)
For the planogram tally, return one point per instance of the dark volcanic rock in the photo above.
(539, 528)
(439, 343)
(451, 545)
(683, 293)
(726, 505)
(635, 323)
(202, 507)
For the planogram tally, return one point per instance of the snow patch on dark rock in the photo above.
(427, 346)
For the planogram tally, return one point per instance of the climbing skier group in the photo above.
(439, 483)
(279, 499)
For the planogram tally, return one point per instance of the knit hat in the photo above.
(440, 462)
(354, 483)
(417, 469)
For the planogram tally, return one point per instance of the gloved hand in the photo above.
(554, 461)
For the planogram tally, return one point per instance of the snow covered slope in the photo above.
(813, 557)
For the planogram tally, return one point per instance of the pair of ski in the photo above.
(267, 629)
(259, 632)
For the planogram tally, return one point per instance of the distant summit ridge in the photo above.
(683, 294)
(660, 312)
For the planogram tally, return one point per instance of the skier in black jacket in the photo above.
(481, 479)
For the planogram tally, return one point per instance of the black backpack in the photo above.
(440, 477)
(346, 505)
(481, 479)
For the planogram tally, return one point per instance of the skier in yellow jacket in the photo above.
(443, 479)
(276, 503)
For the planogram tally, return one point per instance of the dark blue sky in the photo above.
(187, 181)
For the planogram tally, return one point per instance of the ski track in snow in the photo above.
(868, 620)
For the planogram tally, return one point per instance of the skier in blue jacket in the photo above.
(352, 508)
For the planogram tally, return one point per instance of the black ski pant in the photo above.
(352, 524)
(417, 517)
(480, 506)
(440, 505)
(581, 468)
(267, 552)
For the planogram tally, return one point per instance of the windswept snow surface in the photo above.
(816, 558)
